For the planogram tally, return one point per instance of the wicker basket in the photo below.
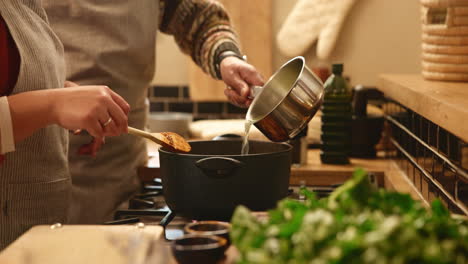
(445, 40)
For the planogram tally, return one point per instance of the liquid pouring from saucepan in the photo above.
(255, 90)
(245, 144)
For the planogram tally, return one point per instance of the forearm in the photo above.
(31, 111)
(84, 107)
(201, 28)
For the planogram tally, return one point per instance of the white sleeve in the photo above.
(7, 140)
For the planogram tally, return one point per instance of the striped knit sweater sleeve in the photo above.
(201, 28)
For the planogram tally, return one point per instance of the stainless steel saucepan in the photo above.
(287, 102)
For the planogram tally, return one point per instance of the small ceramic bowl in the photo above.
(210, 228)
(199, 249)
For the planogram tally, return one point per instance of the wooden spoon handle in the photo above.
(150, 136)
(141, 133)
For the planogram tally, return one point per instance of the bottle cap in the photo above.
(337, 68)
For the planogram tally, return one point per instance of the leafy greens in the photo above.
(357, 223)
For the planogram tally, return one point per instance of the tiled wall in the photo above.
(177, 99)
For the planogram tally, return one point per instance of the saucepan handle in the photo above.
(219, 167)
(254, 91)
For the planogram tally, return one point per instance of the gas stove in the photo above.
(148, 207)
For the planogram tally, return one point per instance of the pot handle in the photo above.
(219, 167)
(254, 91)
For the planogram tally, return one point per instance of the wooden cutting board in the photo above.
(121, 244)
(252, 21)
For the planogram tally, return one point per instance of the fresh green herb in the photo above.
(357, 223)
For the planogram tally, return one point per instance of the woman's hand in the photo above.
(97, 109)
(239, 76)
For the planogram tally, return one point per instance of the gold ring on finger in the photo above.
(107, 122)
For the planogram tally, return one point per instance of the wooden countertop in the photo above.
(77, 244)
(444, 103)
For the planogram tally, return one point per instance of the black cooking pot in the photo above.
(214, 178)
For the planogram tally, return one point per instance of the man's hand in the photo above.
(239, 77)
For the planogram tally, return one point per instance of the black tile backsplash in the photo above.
(166, 91)
(185, 92)
(177, 99)
(232, 109)
(186, 107)
(158, 107)
(210, 107)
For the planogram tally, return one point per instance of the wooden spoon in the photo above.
(170, 140)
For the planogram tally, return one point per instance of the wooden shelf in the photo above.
(443, 103)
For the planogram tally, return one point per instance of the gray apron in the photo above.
(109, 42)
(34, 180)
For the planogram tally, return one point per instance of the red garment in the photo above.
(9, 63)
(9, 60)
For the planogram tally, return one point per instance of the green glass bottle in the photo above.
(336, 119)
